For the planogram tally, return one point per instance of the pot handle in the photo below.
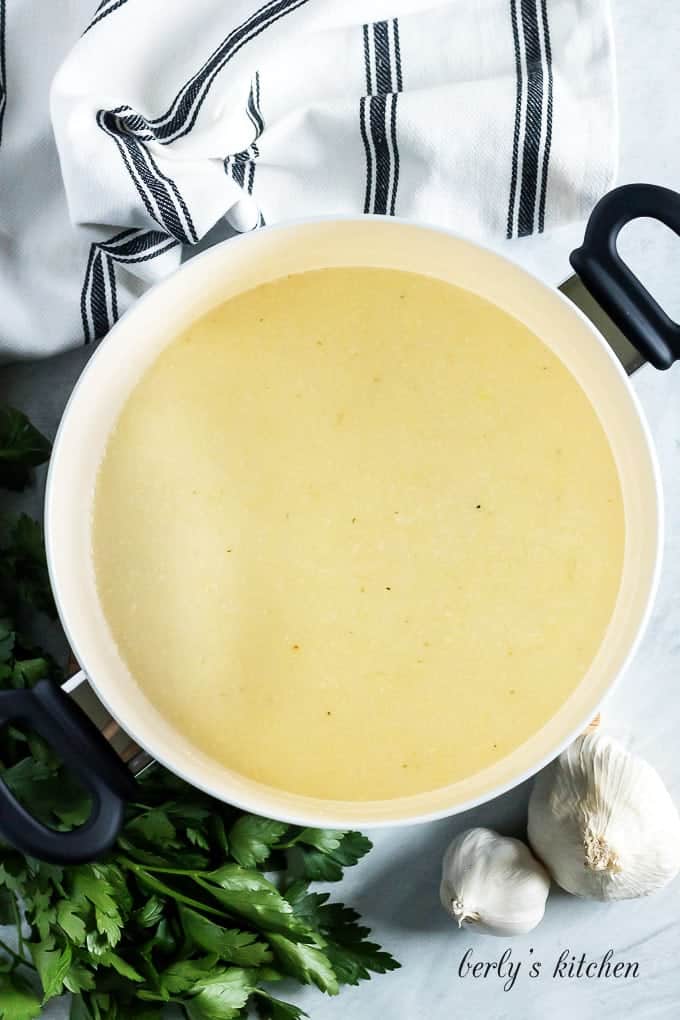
(614, 286)
(82, 748)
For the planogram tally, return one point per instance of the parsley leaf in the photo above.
(150, 913)
(24, 580)
(27, 672)
(251, 839)
(8, 906)
(52, 963)
(323, 862)
(70, 922)
(241, 947)
(185, 975)
(275, 1009)
(352, 956)
(325, 840)
(79, 1010)
(51, 793)
(22, 447)
(79, 978)
(117, 963)
(7, 638)
(308, 964)
(17, 999)
(153, 827)
(250, 895)
(354, 961)
(90, 881)
(222, 996)
(196, 837)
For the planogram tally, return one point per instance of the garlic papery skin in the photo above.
(493, 884)
(603, 823)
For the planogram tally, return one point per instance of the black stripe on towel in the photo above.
(363, 103)
(378, 115)
(88, 329)
(383, 62)
(238, 163)
(254, 111)
(137, 245)
(518, 120)
(108, 262)
(3, 69)
(105, 8)
(241, 165)
(99, 305)
(549, 116)
(395, 153)
(533, 117)
(99, 295)
(253, 105)
(368, 61)
(383, 163)
(251, 171)
(397, 55)
(158, 192)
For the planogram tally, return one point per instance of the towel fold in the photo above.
(495, 118)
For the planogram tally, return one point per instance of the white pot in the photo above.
(245, 262)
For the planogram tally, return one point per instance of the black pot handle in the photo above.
(615, 288)
(81, 747)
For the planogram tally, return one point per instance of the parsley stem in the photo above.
(171, 871)
(155, 883)
(18, 924)
(15, 956)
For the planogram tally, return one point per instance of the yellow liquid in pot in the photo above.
(358, 533)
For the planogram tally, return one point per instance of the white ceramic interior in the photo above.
(243, 263)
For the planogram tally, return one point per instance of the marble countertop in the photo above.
(396, 887)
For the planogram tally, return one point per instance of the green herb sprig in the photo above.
(22, 448)
(199, 905)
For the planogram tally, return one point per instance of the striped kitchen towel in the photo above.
(495, 118)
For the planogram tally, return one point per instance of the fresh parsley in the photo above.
(24, 581)
(199, 905)
(22, 448)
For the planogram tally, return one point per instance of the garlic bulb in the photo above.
(603, 822)
(493, 883)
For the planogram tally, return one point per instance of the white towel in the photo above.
(495, 118)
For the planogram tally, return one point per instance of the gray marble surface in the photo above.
(396, 887)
